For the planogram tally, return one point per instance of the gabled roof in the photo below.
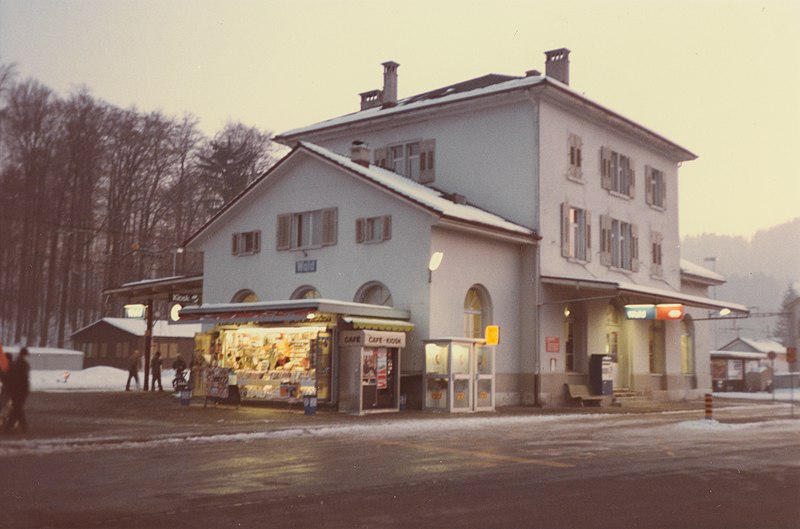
(137, 327)
(759, 346)
(695, 272)
(433, 201)
(473, 89)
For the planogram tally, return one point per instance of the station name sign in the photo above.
(373, 338)
(664, 311)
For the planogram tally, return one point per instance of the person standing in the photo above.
(155, 368)
(133, 370)
(19, 386)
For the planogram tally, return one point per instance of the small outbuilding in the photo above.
(110, 341)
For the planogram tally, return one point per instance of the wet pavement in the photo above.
(137, 414)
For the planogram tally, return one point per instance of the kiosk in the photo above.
(370, 371)
(459, 375)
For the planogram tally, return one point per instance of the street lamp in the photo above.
(433, 264)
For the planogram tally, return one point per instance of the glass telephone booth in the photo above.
(459, 375)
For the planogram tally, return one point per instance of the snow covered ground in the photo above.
(104, 378)
(101, 378)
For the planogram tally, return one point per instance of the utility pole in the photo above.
(713, 261)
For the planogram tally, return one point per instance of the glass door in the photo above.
(484, 377)
(437, 376)
(462, 390)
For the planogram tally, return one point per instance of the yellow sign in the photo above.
(492, 334)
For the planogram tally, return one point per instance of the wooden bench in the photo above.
(581, 393)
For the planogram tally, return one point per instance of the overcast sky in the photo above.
(719, 77)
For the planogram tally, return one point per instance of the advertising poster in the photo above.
(368, 368)
(383, 368)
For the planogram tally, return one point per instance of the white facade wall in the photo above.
(399, 263)
(556, 188)
(486, 152)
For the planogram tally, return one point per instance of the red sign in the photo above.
(552, 344)
(669, 311)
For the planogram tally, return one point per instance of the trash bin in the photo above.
(310, 404)
(403, 401)
(186, 396)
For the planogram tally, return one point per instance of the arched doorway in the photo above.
(477, 311)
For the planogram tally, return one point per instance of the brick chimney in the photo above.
(390, 83)
(557, 64)
(359, 153)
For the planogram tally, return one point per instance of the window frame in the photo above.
(246, 243)
(373, 230)
(575, 157)
(655, 188)
(307, 230)
(619, 244)
(402, 159)
(618, 173)
(576, 233)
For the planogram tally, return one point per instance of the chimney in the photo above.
(390, 83)
(359, 153)
(557, 64)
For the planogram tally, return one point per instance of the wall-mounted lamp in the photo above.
(566, 311)
(433, 264)
(724, 312)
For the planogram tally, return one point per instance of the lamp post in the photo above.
(713, 261)
(175, 253)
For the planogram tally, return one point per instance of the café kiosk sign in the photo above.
(664, 311)
(368, 338)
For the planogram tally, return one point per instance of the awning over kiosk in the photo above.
(377, 324)
(294, 310)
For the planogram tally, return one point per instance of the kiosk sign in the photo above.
(664, 311)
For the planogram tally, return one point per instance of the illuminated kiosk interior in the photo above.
(459, 375)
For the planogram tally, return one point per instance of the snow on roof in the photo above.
(690, 268)
(161, 328)
(466, 90)
(418, 102)
(764, 346)
(741, 355)
(426, 196)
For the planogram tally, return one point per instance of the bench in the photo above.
(581, 393)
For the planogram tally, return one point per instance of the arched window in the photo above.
(477, 312)
(244, 296)
(306, 292)
(374, 293)
(687, 345)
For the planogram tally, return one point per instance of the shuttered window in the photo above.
(246, 243)
(373, 229)
(655, 187)
(309, 229)
(576, 239)
(414, 160)
(656, 256)
(617, 172)
(619, 244)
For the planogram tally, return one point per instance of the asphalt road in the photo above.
(221, 468)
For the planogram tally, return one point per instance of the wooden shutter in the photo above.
(284, 235)
(427, 159)
(360, 225)
(634, 248)
(605, 168)
(387, 227)
(658, 253)
(256, 241)
(380, 157)
(648, 185)
(329, 226)
(566, 250)
(605, 240)
(235, 244)
(631, 179)
(662, 184)
(588, 216)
